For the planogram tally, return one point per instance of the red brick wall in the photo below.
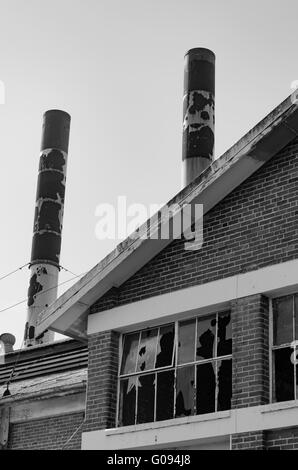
(254, 226)
(282, 439)
(102, 381)
(47, 434)
(250, 333)
(249, 441)
(277, 439)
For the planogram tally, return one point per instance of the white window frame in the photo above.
(174, 365)
(272, 348)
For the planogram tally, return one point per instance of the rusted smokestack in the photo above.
(198, 113)
(46, 243)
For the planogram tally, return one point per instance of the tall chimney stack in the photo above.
(198, 113)
(46, 243)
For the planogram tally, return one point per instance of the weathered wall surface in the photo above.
(277, 439)
(47, 434)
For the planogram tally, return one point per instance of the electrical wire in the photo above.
(73, 434)
(8, 382)
(40, 293)
(12, 272)
(67, 270)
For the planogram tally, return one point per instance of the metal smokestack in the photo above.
(46, 243)
(198, 113)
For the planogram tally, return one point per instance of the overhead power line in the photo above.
(12, 272)
(40, 293)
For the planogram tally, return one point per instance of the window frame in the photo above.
(174, 364)
(273, 348)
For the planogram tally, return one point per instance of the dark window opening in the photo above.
(285, 348)
(165, 395)
(145, 409)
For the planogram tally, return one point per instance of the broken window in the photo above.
(165, 395)
(147, 350)
(186, 341)
(185, 388)
(224, 335)
(175, 370)
(206, 333)
(129, 357)
(127, 401)
(206, 380)
(224, 385)
(165, 346)
(145, 398)
(285, 336)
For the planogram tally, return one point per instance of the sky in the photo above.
(117, 67)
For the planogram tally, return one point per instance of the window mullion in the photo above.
(216, 383)
(137, 355)
(195, 370)
(156, 346)
(293, 344)
(155, 395)
(175, 364)
(137, 394)
(216, 378)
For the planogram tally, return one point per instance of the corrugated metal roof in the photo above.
(46, 384)
(43, 360)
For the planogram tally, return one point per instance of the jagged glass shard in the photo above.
(224, 335)
(185, 393)
(129, 356)
(127, 403)
(165, 346)
(147, 350)
(206, 332)
(186, 341)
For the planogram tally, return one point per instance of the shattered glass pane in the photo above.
(224, 378)
(205, 402)
(284, 374)
(146, 393)
(185, 382)
(165, 395)
(129, 357)
(186, 341)
(206, 337)
(165, 346)
(147, 350)
(127, 403)
(283, 320)
(224, 335)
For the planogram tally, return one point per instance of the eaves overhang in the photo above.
(68, 314)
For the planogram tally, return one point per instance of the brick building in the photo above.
(194, 349)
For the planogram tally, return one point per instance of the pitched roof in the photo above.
(68, 314)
